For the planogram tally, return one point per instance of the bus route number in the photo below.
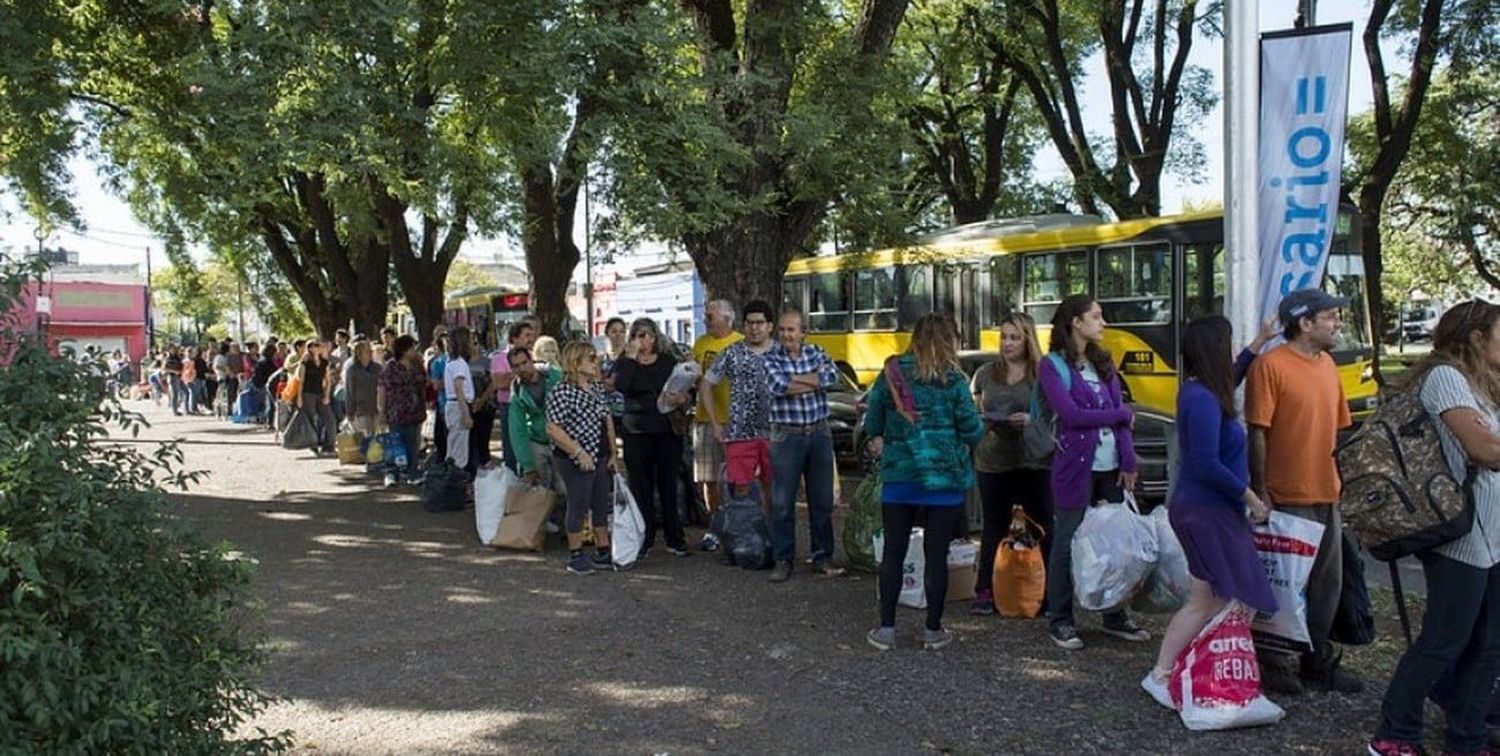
(1139, 362)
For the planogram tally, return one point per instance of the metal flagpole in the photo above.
(1241, 150)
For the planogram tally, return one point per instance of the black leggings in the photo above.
(999, 493)
(897, 520)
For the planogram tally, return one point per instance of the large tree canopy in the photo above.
(737, 124)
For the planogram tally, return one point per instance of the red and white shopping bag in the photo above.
(1215, 684)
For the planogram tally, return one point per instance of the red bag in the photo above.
(1216, 682)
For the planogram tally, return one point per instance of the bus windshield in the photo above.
(1346, 278)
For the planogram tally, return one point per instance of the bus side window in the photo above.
(1203, 279)
(1135, 284)
(1005, 289)
(916, 294)
(1050, 277)
(875, 299)
(828, 305)
(792, 292)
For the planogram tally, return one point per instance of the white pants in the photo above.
(458, 436)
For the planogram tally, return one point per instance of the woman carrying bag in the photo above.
(653, 452)
(1005, 391)
(1459, 385)
(1095, 457)
(1209, 502)
(923, 425)
(583, 442)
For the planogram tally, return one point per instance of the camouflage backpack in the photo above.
(1399, 494)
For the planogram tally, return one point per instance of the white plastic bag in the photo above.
(1288, 546)
(682, 380)
(627, 529)
(491, 486)
(913, 570)
(1166, 589)
(1215, 683)
(1114, 550)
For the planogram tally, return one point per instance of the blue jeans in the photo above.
(1461, 633)
(179, 392)
(807, 456)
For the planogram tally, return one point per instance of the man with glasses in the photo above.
(746, 435)
(708, 453)
(522, 334)
(1295, 406)
(799, 375)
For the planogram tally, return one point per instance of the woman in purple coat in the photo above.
(1095, 456)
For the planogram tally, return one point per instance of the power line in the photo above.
(108, 242)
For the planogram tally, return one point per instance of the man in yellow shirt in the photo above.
(708, 452)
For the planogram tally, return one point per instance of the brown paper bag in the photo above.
(524, 526)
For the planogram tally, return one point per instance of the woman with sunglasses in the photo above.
(653, 451)
(583, 442)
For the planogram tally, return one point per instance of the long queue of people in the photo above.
(759, 416)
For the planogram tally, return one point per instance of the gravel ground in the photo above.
(393, 631)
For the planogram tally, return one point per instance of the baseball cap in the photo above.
(1306, 303)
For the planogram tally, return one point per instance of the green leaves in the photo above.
(114, 627)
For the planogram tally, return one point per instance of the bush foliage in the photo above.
(120, 630)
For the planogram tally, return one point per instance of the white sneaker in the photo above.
(1157, 688)
(390, 480)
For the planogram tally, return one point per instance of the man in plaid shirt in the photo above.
(801, 445)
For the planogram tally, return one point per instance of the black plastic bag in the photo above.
(1354, 624)
(741, 525)
(445, 487)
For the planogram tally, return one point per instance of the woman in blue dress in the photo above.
(1208, 508)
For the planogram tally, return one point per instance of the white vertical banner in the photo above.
(1304, 103)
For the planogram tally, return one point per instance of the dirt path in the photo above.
(395, 632)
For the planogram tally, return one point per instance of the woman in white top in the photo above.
(1460, 385)
(458, 387)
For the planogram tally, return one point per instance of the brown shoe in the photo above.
(781, 572)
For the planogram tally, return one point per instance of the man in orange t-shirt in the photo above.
(1295, 406)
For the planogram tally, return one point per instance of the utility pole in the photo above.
(239, 305)
(1307, 13)
(1241, 169)
(588, 260)
(150, 322)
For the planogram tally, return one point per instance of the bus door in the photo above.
(957, 293)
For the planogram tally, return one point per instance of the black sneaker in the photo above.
(579, 564)
(1124, 629)
(781, 572)
(1066, 636)
(678, 551)
(602, 560)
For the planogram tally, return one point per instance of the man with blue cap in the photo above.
(1295, 406)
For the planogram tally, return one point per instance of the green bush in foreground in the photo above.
(120, 631)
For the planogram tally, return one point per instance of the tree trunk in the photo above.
(551, 254)
(746, 260)
(1371, 200)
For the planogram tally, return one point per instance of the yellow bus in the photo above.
(1150, 276)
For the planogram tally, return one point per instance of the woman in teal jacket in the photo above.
(923, 425)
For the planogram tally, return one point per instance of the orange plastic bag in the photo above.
(1020, 576)
(292, 392)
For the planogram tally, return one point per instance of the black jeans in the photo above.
(479, 438)
(440, 434)
(1461, 633)
(897, 520)
(651, 461)
(999, 493)
(1103, 486)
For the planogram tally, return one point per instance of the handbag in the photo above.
(524, 525)
(1020, 574)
